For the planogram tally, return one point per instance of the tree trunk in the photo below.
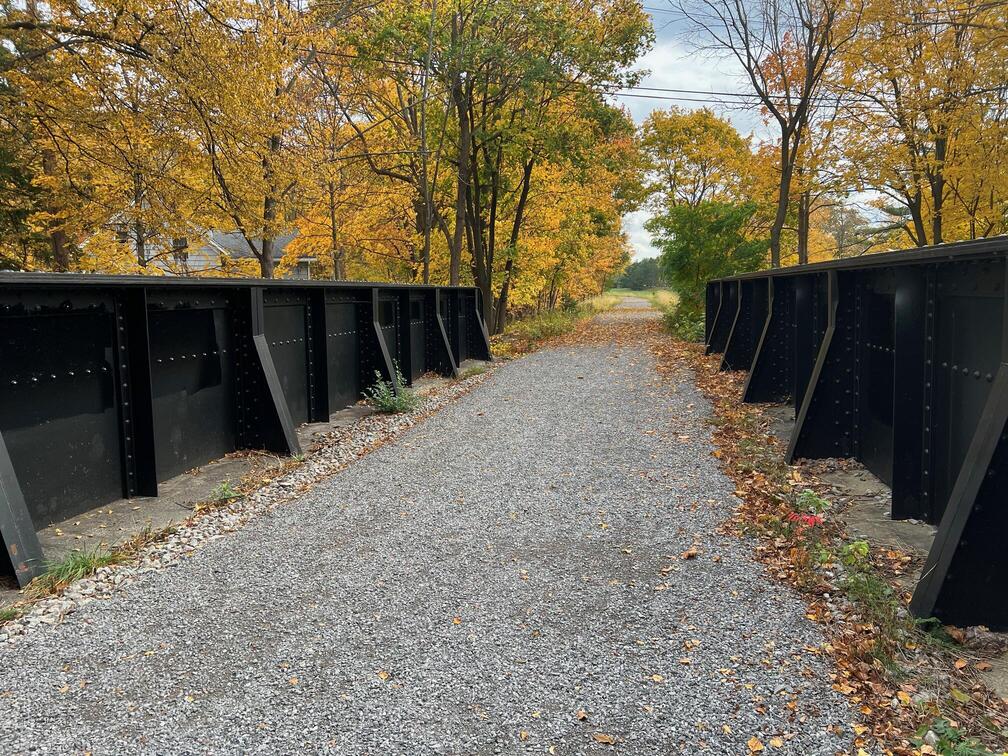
(782, 199)
(269, 211)
(139, 232)
(937, 181)
(501, 316)
(57, 237)
(804, 213)
(334, 247)
(266, 259)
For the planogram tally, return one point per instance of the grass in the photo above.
(74, 566)
(384, 397)
(680, 322)
(664, 300)
(9, 613)
(526, 333)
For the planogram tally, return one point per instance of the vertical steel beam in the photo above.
(771, 376)
(318, 350)
(405, 333)
(727, 312)
(284, 437)
(442, 310)
(16, 527)
(803, 340)
(749, 325)
(386, 360)
(438, 347)
(824, 424)
(136, 395)
(482, 351)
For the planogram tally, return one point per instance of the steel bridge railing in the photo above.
(110, 384)
(898, 360)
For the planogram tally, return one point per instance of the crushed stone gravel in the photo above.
(536, 566)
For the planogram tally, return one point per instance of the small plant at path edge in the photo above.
(383, 397)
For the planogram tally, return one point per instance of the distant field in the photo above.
(662, 299)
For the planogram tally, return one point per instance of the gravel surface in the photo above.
(507, 576)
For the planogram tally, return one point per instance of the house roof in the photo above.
(234, 244)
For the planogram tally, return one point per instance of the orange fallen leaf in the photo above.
(983, 666)
(777, 742)
(456, 620)
(689, 553)
(960, 663)
(293, 681)
(657, 678)
(581, 715)
(755, 745)
(601, 737)
(523, 735)
(382, 674)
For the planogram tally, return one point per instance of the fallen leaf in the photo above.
(689, 553)
(657, 678)
(581, 715)
(903, 696)
(777, 742)
(523, 735)
(382, 674)
(983, 666)
(293, 681)
(456, 620)
(601, 737)
(960, 663)
(755, 745)
(959, 696)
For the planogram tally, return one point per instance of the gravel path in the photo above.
(506, 577)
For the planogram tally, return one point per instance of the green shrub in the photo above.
(685, 324)
(384, 398)
(225, 492)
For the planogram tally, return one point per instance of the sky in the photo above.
(676, 62)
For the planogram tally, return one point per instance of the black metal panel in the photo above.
(113, 383)
(388, 321)
(418, 336)
(286, 331)
(24, 554)
(464, 304)
(725, 318)
(824, 426)
(874, 372)
(899, 360)
(968, 332)
(962, 582)
(772, 369)
(58, 411)
(193, 380)
(712, 301)
(747, 329)
(344, 353)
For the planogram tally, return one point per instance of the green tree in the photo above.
(640, 275)
(703, 242)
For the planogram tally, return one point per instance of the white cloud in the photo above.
(640, 239)
(674, 64)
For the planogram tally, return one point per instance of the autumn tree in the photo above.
(694, 156)
(786, 49)
(927, 115)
